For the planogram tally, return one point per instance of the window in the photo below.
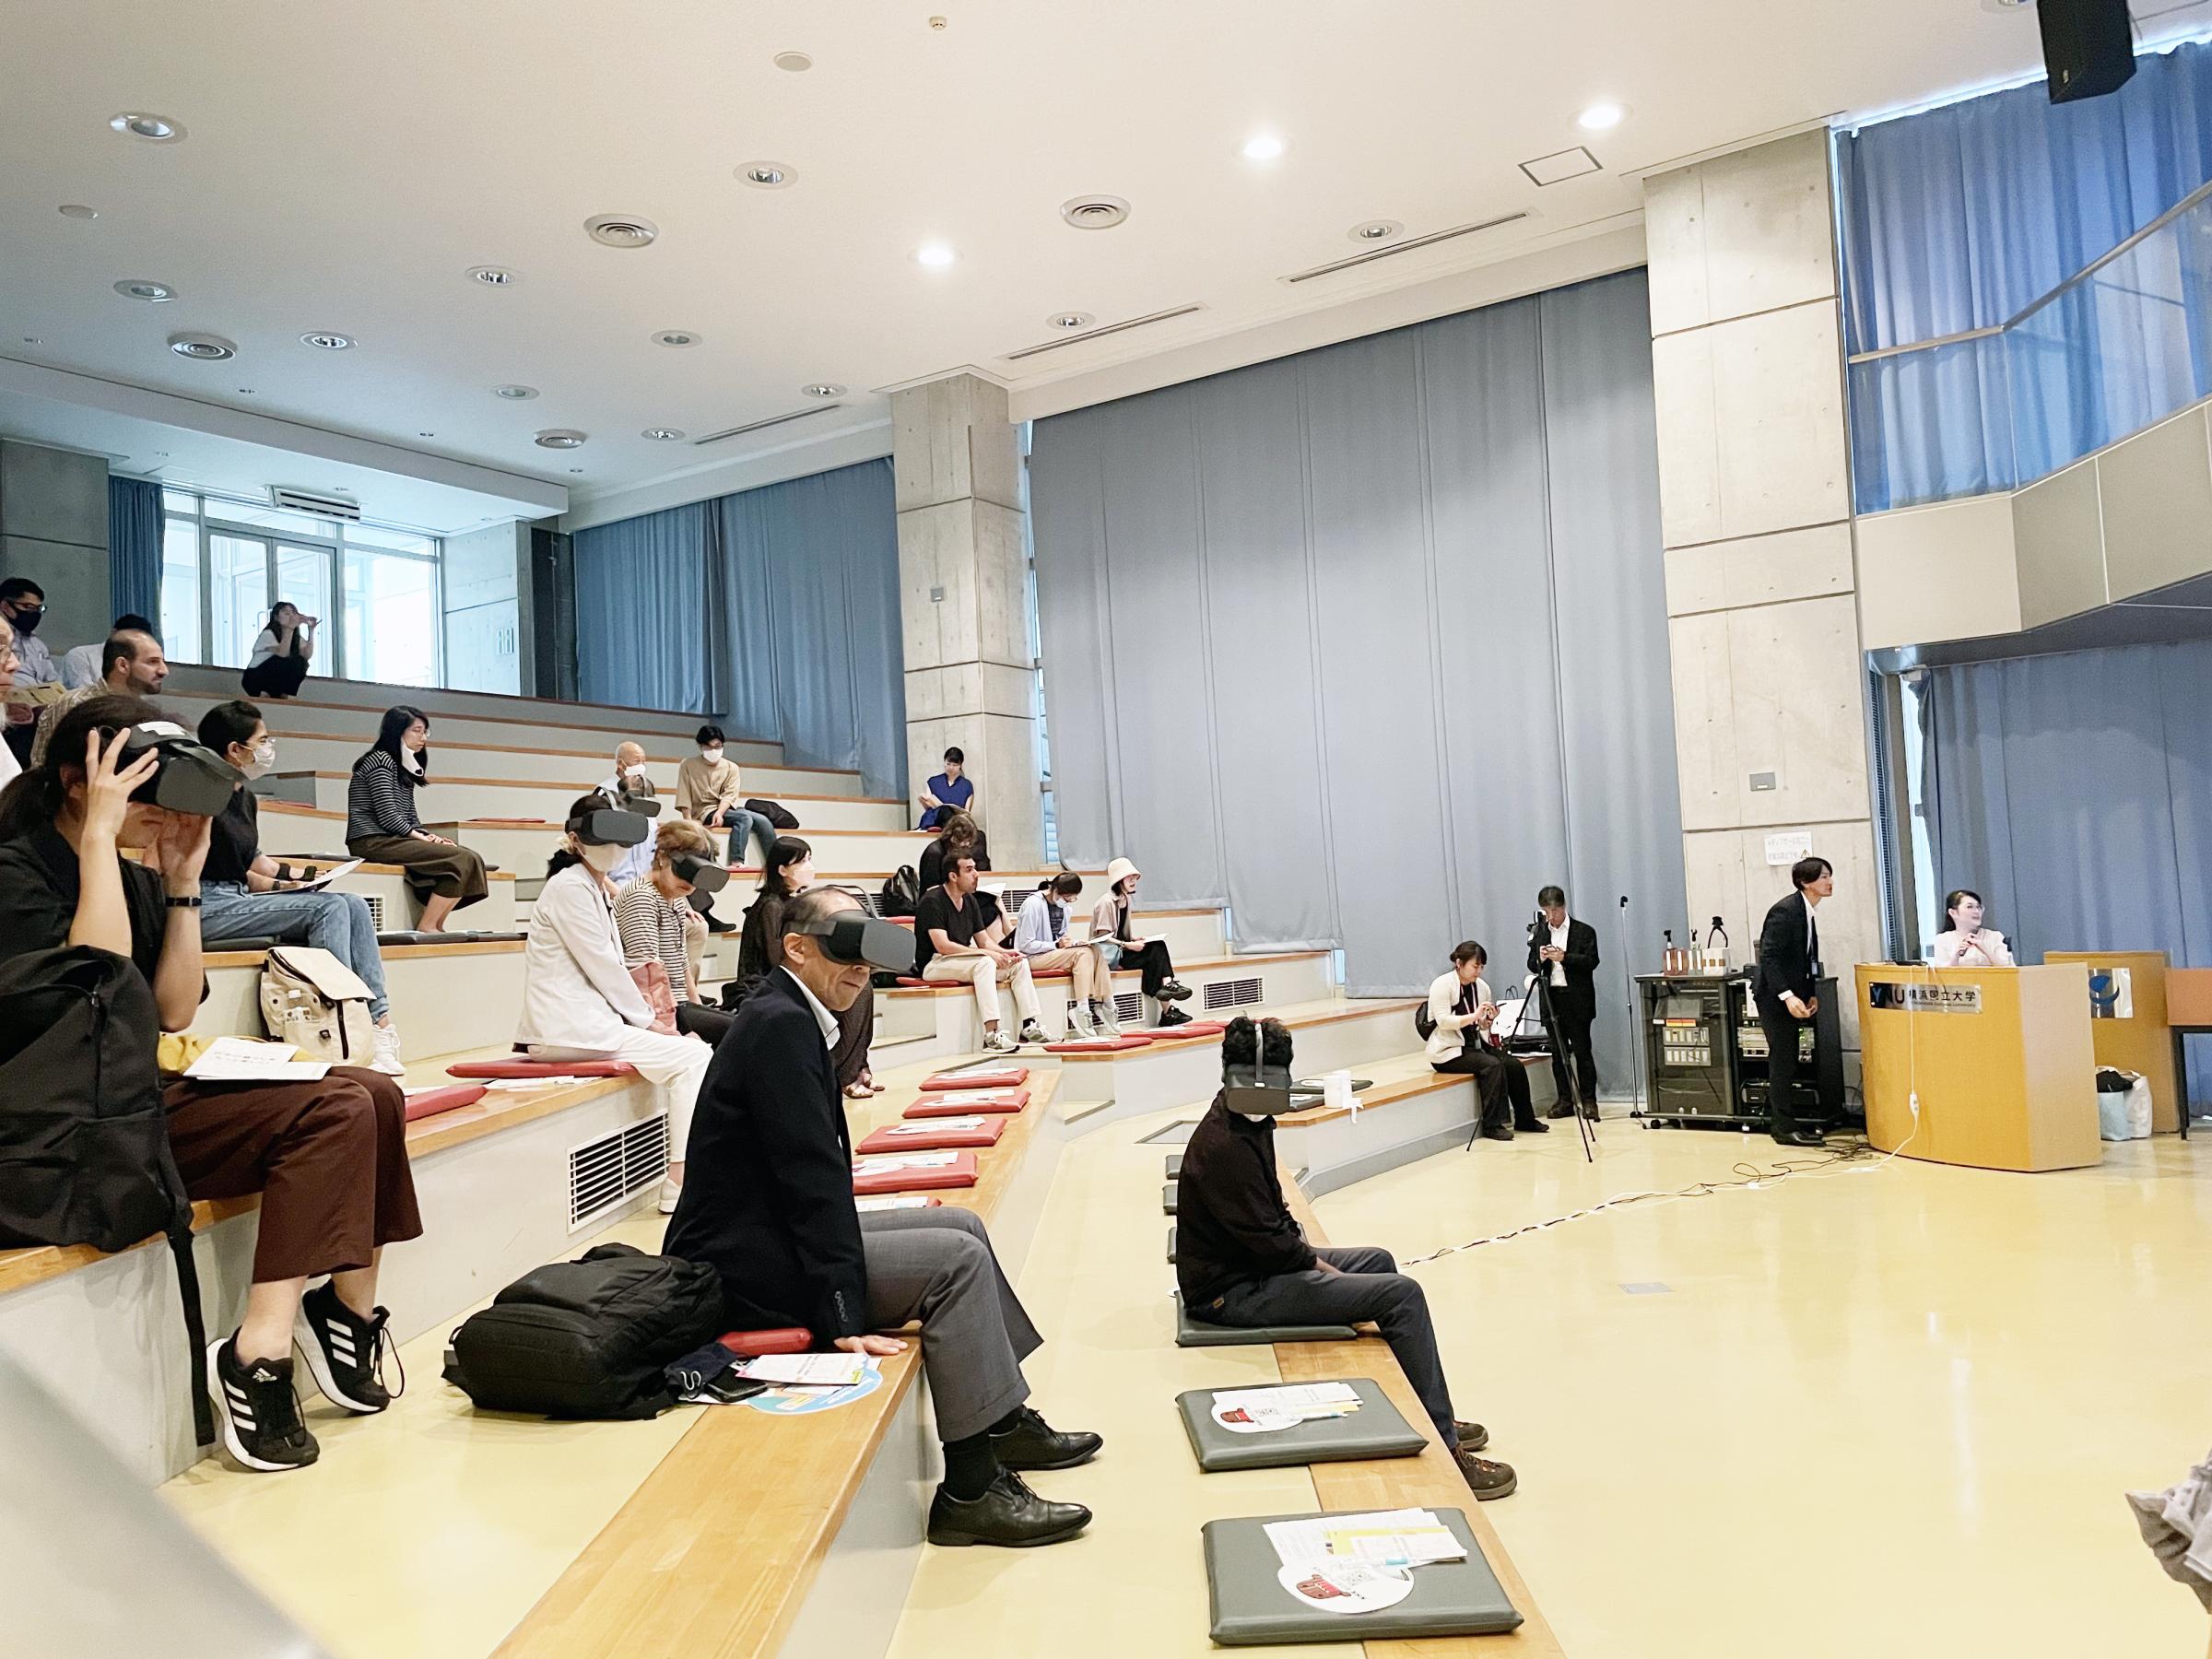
(181, 589)
(391, 631)
(238, 593)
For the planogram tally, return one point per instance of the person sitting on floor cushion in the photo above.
(768, 1203)
(1241, 1259)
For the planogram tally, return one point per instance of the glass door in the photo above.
(238, 597)
(303, 577)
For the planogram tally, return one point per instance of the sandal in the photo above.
(859, 1091)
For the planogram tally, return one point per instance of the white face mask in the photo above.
(712, 756)
(601, 858)
(262, 758)
(633, 771)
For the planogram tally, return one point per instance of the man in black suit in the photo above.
(1785, 990)
(767, 1202)
(1565, 952)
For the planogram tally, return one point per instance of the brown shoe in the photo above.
(1484, 1479)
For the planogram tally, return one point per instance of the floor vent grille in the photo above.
(606, 1173)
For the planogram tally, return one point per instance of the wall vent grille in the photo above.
(607, 1171)
(1233, 993)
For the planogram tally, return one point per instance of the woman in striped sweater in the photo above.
(653, 915)
(382, 826)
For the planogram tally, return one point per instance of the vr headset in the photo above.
(1262, 1090)
(702, 872)
(188, 777)
(854, 936)
(609, 827)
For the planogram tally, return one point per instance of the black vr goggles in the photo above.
(1261, 1090)
(188, 777)
(702, 872)
(609, 827)
(854, 936)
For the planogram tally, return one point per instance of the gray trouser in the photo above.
(1369, 1287)
(937, 1265)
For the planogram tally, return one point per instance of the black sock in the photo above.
(969, 1469)
(1008, 1424)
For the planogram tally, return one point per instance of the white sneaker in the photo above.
(998, 1043)
(386, 1056)
(670, 1192)
(1110, 1022)
(1078, 1024)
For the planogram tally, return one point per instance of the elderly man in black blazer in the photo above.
(767, 1202)
(1565, 952)
(1785, 989)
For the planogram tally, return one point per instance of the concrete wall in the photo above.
(486, 575)
(53, 529)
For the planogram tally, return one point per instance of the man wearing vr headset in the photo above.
(631, 789)
(767, 1202)
(1242, 1258)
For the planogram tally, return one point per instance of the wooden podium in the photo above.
(2139, 1039)
(2002, 1058)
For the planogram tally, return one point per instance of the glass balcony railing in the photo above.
(2114, 348)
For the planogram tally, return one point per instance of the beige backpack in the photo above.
(314, 1002)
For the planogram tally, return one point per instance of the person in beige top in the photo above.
(707, 789)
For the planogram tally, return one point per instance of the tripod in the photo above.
(1566, 1066)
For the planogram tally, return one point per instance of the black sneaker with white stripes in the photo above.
(257, 1413)
(343, 1351)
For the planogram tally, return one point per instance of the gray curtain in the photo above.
(2075, 794)
(134, 548)
(774, 609)
(1369, 644)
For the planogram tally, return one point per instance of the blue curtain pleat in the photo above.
(134, 547)
(641, 598)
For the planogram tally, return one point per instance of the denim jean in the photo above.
(744, 826)
(338, 923)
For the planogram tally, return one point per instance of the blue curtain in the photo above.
(134, 548)
(776, 611)
(1957, 219)
(1369, 643)
(2074, 792)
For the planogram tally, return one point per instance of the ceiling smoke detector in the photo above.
(326, 341)
(154, 129)
(1375, 231)
(77, 210)
(493, 276)
(560, 438)
(793, 63)
(141, 287)
(203, 349)
(679, 337)
(822, 389)
(1068, 322)
(663, 434)
(513, 393)
(621, 230)
(1095, 213)
(766, 175)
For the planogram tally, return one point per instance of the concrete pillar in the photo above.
(53, 529)
(1755, 511)
(963, 600)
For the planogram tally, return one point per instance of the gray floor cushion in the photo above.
(1196, 1333)
(1376, 1429)
(1167, 1198)
(1170, 1244)
(1250, 1605)
(1175, 1165)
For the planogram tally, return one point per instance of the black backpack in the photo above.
(588, 1338)
(84, 1137)
(780, 816)
(1424, 1022)
(901, 893)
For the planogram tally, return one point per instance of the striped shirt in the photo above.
(378, 801)
(651, 926)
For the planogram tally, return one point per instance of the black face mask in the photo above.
(27, 621)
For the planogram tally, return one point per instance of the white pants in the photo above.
(674, 1065)
(985, 974)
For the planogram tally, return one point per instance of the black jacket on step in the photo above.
(1579, 991)
(767, 1178)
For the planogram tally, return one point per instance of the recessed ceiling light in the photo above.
(77, 210)
(935, 256)
(1263, 147)
(578, 470)
(795, 63)
(662, 434)
(766, 175)
(327, 342)
(1095, 213)
(203, 349)
(33, 340)
(141, 288)
(1600, 117)
(493, 276)
(245, 391)
(1070, 321)
(426, 434)
(154, 129)
(677, 337)
(1375, 231)
(621, 230)
(560, 438)
(514, 393)
(822, 389)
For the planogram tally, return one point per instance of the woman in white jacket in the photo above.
(1964, 942)
(1460, 1005)
(579, 1001)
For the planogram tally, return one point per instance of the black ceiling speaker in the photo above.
(2088, 47)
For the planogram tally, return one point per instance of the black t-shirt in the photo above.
(235, 840)
(961, 924)
(39, 887)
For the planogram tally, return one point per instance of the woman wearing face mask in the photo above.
(382, 826)
(760, 952)
(707, 788)
(281, 653)
(578, 998)
(1965, 943)
(246, 894)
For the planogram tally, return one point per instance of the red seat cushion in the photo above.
(1055, 973)
(1011, 1077)
(908, 979)
(960, 1172)
(1098, 1045)
(962, 1102)
(925, 1135)
(542, 1068)
(791, 1339)
(429, 1102)
(1197, 1028)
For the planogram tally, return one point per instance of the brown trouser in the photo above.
(328, 1157)
(430, 868)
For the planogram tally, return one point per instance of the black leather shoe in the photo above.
(1496, 1134)
(1033, 1444)
(1473, 1437)
(1484, 1479)
(1560, 1111)
(1009, 1515)
(715, 925)
(1173, 991)
(1534, 1126)
(1798, 1137)
(1173, 1016)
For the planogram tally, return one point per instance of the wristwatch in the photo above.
(176, 902)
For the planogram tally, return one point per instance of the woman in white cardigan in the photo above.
(1460, 1005)
(579, 1001)
(1964, 942)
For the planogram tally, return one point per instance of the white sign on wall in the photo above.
(1787, 846)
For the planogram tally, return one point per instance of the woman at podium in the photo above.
(1965, 943)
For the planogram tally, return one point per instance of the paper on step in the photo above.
(522, 1083)
(243, 1060)
(1409, 1537)
(935, 1125)
(904, 1202)
(960, 1097)
(1271, 1410)
(806, 1370)
(982, 1068)
(903, 1161)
